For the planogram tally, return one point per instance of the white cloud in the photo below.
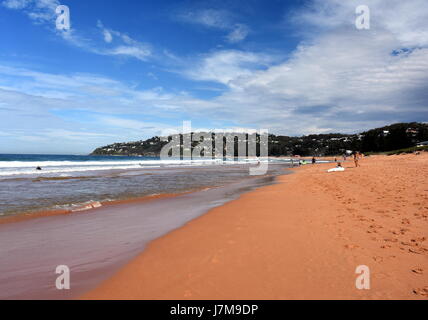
(217, 19)
(139, 128)
(406, 20)
(16, 4)
(139, 52)
(107, 36)
(43, 12)
(207, 17)
(239, 33)
(339, 78)
(226, 66)
(73, 135)
(40, 11)
(122, 45)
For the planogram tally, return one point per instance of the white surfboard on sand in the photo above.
(337, 170)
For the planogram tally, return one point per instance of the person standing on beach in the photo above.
(314, 161)
(356, 159)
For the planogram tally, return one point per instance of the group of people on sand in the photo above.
(356, 156)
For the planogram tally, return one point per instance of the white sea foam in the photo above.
(14, 168)
(34, 164)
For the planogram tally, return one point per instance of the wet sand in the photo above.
(82, 209)
(302, 238)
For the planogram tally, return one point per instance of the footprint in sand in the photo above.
(188, 294)
(351, 246)
(403, 231)
(421, 292)
(410, 244)
(418, 250)
(373, 228)
(405, 221)
(418, 271)
(400, 232)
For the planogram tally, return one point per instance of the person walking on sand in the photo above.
(314, 161)
(356, 159)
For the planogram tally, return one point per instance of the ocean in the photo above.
(70, 181)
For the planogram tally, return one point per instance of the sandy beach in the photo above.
(301, 238)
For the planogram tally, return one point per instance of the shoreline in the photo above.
(82, 209)
(301, 238)
(98, 242)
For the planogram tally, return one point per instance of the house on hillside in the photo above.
(423, 144)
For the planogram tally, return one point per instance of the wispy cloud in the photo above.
(239, 33)
(208, 17)
(117, 43)
(217, 19)
(16, 4)
(405, 20)
(40, 11)
(226, 66)
(123, 44)
(338, 79)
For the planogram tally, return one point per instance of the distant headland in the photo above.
(399, 137)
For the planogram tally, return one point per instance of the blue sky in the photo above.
(128, 70)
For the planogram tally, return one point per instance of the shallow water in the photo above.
(68, 181)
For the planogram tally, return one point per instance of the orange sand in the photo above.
(300, 239)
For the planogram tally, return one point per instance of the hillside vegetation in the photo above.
(398, 136)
